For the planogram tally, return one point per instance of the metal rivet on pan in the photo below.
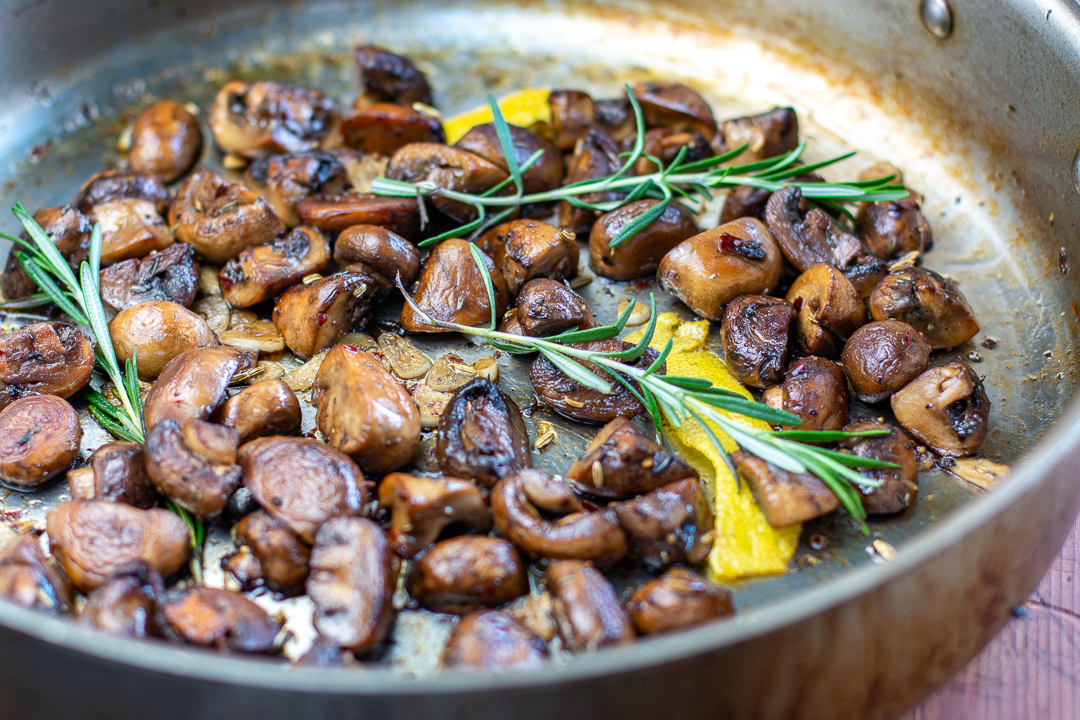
(936, 17)
(1076, 171)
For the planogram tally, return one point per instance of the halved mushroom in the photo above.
(334, 214)
(364, 411)
(39, 439)
(285, 180)
(882, 357)
(352, 583)
(482, 435)
(828, 309)
(679, 598)
(865, 272)
(572, 113)
(815, 389)
(669, 525)
(543, 175)
(219, 618)
(546, 307)
(194, 465)
(899, 486)
(30, 579)
(450, 168)
(451, 289)
(261, 118)
(312, 317)
(516, 503)
(130, 228)
(116, 472)
(388, 77)
(894, 227)
(767, 135)
(945, 408)
(492, 641)
(621, 462)
(69, 231)
(468, 572)
(263, 271)
(807, 235)
(78, 530)
(302, 482)
(171, 275)
(927, 302)
(105, 187)
(155, 333)
(713, 268)
(757, 337)
(219, 219)
(587, 610)
(166, 141)
(571, 399)
(127, 604)
(785, 498)
(639, 256)
(677, 107)
(194, 384)
(421, 509)
(283, 557)
(269, 407)
(595, 156)
(45, 358)
(378, 251)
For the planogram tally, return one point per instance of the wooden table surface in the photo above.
(1032, 670)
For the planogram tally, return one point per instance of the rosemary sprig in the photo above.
(680, 181)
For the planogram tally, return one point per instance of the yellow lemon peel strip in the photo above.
(523, 108)
(745, 544)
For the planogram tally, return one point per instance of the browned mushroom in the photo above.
(807, 235)
(166, 141)
(268, 407)
(679, 598)
(945, 408)
(387, 77)
(116, 472)
(261, 118)
(621, 462)
(482, 434)
(364, 411)
(640, 255)
(130, 228)
(492, 641)
(745, 201)
(45, 358)
(713, 268)
(334, 214)
(160, 331)
(927, 302)
(77, 531)
(378, 251)
(586, 608)
(894, 227)
(285, 180)
(194, 465)
(615, 117)
(242, 565)
(450, 168)
(865, 272)
(312, 317)
(283, 557)
(422, 508)
(572, 114)
(785, 498)
(219, 219)
(882, 357)
(127, 604)
(665, 144)
(28, 577)
(302, 482)
(767, 135)
(546, 307)
(451, 289)
(828, 309)
(669, 525)
(516, 503)
(39, 439)
(815, 389)
(385, 128)
(219, 618)
(757, 336)
(325, 653)
(676, 107)
(595, 156)
(194, 384)
(468, 572)
(898, 486)
(171, 275)
(105, 187)
(570, 398)
(69, 231)
(263, 271)
(543, 175)
(352, 583)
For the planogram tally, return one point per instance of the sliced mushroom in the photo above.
(302, 482)
(334, 214)
(516, 503)
(39, 439)
(898, 486)
(69, 231)
(468, 572)
(677, 107)
(155, 333)
(882, 357)
(757, 337)
(117, 472)
(263, 271)
(493, 641)
(376, 250)
(283, 557)
(257, 119)
(285, 180)
(865, 272)
(546, 307)
(815, 389)
(669, 525)
(828, 309)
(927, 302)
(587, 610)
(387, 77)
(621, 462)
(364, 411)
(352, 583)
(639, 256)
(595, 156)
(194, 384)
(945, 408)
(421, 509)
(194, 465)
(785, 498)
(219, 618)
(105, 187)
(221, 219)
(680, 598)
(171, 275)
(448, 167)
(29, 579)
(482, 435)
(77, 530)
(269, 407)
(45, 358)
(713, 268)
(127, 604)
(807, 235)
(893, 227)
(312, 317)
(767, 135)
(452, 289)
(543, 175)
(166, 141)
(572, 114)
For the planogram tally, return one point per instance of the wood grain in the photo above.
(1032, 670)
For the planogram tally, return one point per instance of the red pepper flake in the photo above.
(906, 340)
(798, 303)
(749, 249)
(351, 348)
(321, 318)
(798, 369)
(221, 190)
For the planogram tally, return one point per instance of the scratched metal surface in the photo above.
(979, 238)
